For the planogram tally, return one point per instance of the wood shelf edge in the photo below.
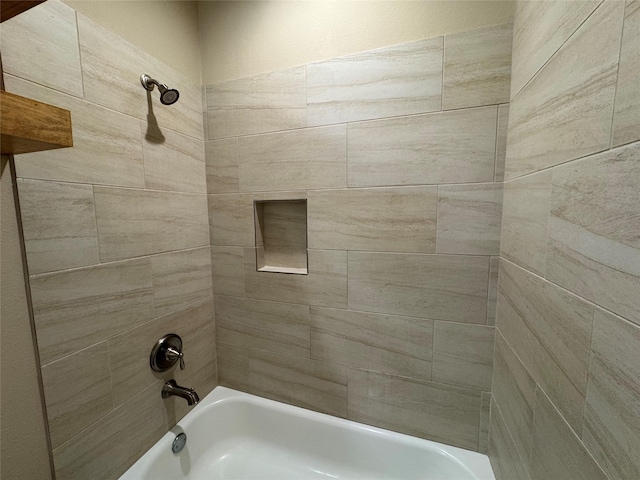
(31, 126)
(9, 9)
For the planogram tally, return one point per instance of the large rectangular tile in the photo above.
(550, 331)
(537, 34)
(78, 308)
(565, 111)
(93, 453)
(594, 230)
(463, 354)
(525, 219)
(180, 278)
(514, 391)
(384, 343)
(380, 219)
(227, 268)
(41, 45)
(441, 287)
(129, 351)
(557, 451)
(477, 67)
(107, 147)
(141, 222)
(221, 157)
(325, 285)
(391, 81)
(165, 154)
(469, 218)
(111, 69)
(611, 429)
(448, 147)
(231, 219)
(276, 327)
(262, 103)
(540, 28)
(300, 159)
(58, 224)
(505, 458)
(428, 410)
(77, 392)
(233, 366)
(320, 386)
(626, 114)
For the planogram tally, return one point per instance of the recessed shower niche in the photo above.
(281, 236)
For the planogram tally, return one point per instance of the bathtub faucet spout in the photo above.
(172, 388)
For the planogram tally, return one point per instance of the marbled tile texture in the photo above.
(566, 379)
(116, 236)
(403, 206)
(148, 226)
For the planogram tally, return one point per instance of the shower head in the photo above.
(168, 96)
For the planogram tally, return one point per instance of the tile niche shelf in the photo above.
(281, 236)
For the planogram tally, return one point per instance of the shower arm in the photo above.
(168, 96)
(148, 82)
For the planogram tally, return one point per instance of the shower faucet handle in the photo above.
(166, 353)
(172, 355)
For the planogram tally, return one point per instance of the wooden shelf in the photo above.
(9, 9)
(31, 126)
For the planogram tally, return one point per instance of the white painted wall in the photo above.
(168, 30)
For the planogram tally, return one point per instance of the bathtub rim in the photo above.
(476, 463)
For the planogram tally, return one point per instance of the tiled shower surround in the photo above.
(566, 384)
(400, 155)
(116, 237)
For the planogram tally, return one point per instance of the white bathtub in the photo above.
(234, 435)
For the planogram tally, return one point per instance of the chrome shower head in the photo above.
(168, 96)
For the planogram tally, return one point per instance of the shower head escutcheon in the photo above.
(168, 96)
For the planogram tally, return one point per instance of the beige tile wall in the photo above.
(400, 156)
(566, 382)
(393, 325)
(116, 230)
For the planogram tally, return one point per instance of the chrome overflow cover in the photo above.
(166, 352)
(179, 442)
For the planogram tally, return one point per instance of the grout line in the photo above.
(566, 162)
(109, 361)
(437, 221)
(567, 291)
(495, 147)
(525, 462)
(589, 366)
(486, 318)
(347, 156)
(442, 74)
(557, 412)
(332, 189)
(554, 54)
(75, 16)
(615, 91)
(95, 217)
(123, 260)
(359, 121)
